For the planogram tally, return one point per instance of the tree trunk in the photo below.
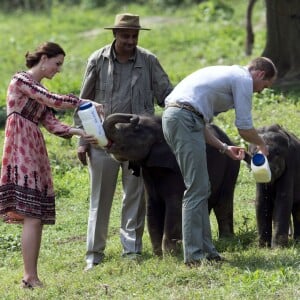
(283, 39)
(249, 29)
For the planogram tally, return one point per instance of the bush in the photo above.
(2, 117)
(36, 5)
(10, 242)
(211, 11)
(46, 5)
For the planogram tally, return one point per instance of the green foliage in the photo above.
(10, 242)
(31, 5)
(2, 117)
(212, 11)
(183, 43)
(46, 5)
(93, 3)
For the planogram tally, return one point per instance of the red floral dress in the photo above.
(26, 186)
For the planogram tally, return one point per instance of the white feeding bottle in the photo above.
(260, 168)
(91, 122)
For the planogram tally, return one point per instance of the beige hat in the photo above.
(127, 21)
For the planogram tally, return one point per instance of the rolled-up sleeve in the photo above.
(242, 91)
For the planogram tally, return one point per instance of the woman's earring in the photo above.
(43, 68)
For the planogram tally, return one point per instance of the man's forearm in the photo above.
(251, 136)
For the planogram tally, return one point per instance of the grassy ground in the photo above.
(183, 43)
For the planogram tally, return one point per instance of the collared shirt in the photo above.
(216, 89)
(121, 92)
(148, 83)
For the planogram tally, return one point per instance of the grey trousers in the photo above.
(103, 180)
(184, 132)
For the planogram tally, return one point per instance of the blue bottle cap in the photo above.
(258, 159)
(85, 105)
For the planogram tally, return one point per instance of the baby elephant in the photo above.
(279, 199)
(140, 140)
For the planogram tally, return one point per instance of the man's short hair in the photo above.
(264, 64)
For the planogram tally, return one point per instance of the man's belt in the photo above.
(187, 107)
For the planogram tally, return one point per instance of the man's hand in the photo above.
(264, 149)
(81, 133)
(82, 152)
(100, 110)
(236, 153)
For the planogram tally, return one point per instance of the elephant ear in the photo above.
(160, 155)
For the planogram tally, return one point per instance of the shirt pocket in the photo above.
(100, 95)
(147, 98)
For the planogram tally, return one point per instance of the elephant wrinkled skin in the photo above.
(279, 200)
(140, 140)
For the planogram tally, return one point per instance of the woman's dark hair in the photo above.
(48, 48)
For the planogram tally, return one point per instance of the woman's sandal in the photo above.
(26, 285)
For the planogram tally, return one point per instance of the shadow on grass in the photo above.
(239, 242)
(246, 254)
(240, 251)
(268, 259)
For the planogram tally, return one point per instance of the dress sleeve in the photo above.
(36, 91)
(53, 125)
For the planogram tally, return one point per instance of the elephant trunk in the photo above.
(112, 130)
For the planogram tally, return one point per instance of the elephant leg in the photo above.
(221, 199)
(281, 232)
(296, 221)
(155, 221)
(264, 209)
(224, 214)
(281, 217)
(155, 211)
(173, 224)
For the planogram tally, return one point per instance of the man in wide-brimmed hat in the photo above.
(125, 78)
(127, 21)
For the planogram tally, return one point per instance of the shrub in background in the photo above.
(46, 5)
(37, 5)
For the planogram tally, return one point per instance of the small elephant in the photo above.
(140, 140)
(279, 200)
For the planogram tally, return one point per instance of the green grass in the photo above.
(183, 44)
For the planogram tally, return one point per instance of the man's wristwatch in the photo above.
(224, 148)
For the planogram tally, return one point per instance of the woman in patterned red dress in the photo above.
(26, 187)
